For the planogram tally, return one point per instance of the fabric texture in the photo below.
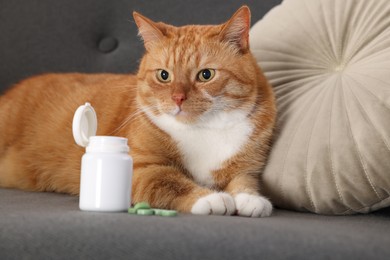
(329, 63)
(50, 226)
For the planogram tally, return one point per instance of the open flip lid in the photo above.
(84, 124)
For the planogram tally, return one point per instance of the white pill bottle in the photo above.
(106, 167)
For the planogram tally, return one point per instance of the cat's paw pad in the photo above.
(252, 205)
(216, 204)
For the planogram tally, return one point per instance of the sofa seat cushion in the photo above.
(44, 225)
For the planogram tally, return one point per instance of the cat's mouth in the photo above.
(186, 113)
(181, 115)
(176, 111)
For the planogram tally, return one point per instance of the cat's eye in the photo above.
(163, 76)
(206, 75)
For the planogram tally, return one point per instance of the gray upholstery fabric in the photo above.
(99, 35)
(50, 226)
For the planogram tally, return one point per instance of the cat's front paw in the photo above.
(252, 205)
(218, 203)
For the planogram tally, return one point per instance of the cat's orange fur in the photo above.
(37, 151)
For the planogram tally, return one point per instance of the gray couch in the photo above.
(100, 36)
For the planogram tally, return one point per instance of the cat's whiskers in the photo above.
(137, 113)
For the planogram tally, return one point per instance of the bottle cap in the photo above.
(84, 124)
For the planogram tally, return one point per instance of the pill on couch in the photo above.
(132, 211)
(168, 213)
(145, 212)
(141, 205)
(165, 212)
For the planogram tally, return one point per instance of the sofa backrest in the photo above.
(93, 35)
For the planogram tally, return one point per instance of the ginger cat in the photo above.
(199, 117)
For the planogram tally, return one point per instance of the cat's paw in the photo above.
(218, 203)
(252, 205)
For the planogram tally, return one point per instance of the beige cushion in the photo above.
(329, 63)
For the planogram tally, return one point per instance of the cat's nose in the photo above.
(179, 98)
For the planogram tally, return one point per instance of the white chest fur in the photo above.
(206, 147)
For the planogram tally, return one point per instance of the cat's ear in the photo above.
(148, 30)
(236, 30)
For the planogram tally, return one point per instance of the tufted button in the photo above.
(108, 44)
